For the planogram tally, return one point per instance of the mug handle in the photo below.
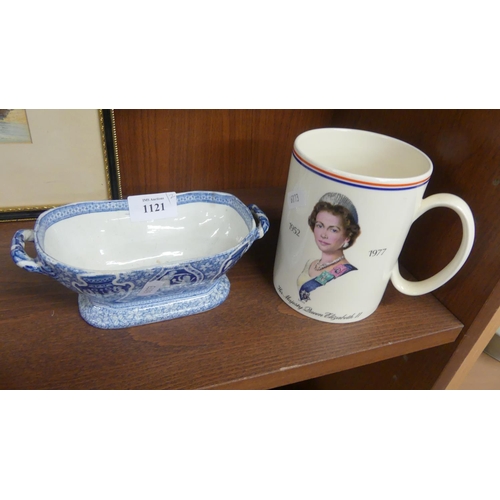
(462, 209)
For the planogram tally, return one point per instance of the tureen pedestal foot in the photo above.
(144, 311)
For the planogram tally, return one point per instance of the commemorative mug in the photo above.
(351, 198)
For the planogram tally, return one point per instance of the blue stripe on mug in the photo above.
(351, 182)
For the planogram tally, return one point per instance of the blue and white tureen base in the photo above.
(150, 310)
(131, 273)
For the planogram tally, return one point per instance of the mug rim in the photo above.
(343, 175)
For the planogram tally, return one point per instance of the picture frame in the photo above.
(64, 156)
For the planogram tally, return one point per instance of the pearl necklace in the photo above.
(322, 266)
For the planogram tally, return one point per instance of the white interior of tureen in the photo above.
(110, 241)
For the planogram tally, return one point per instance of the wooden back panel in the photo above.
(185, 150)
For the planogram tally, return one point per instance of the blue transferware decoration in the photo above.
(134, 273)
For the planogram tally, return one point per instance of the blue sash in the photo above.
(324, 278)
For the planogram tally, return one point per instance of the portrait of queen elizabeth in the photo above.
(334, 225)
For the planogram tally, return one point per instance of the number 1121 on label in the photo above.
(156, 207)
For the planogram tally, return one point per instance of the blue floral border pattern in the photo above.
(81, 208)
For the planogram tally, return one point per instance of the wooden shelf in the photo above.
(252, 341)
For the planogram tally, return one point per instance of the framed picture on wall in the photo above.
(53, 157)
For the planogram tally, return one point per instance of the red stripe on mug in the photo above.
(336, 176)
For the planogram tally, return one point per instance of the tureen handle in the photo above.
(260, 219)
(19, 255)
